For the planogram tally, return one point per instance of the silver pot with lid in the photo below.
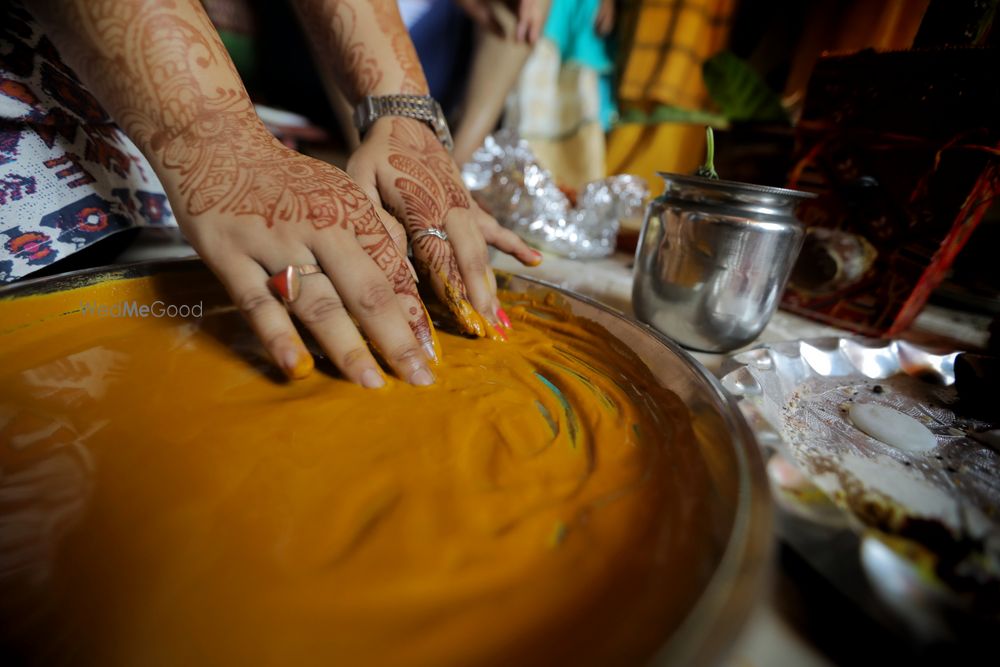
(713, 259)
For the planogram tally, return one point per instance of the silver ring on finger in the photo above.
(288, 282)
(430, 231)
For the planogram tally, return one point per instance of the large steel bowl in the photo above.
(736, 558)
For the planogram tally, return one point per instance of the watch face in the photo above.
(443, 133)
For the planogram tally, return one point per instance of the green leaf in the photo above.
(739, 91)
(634, 117)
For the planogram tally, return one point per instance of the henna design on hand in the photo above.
(390, 23)
(366, 44)
(225, 158)
(429, 188)
(372, 236)
(421, 188)
(169, 82)
(458, 196)
(334, 26)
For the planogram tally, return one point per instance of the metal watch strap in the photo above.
(420, 107)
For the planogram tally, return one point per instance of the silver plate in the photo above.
(829, 476)
(733, 564)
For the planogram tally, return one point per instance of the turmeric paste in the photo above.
(177, 502)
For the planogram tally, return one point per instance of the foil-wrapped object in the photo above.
(507, 180)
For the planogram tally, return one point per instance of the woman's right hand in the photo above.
(284, 208)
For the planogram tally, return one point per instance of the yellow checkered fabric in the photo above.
(663, 45)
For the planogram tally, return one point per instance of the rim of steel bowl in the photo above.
(743, 564)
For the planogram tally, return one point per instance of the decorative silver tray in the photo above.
(925, 523)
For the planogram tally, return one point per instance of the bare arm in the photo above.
(496, 66)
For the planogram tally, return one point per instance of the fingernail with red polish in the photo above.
(500, 331)
(504, 319)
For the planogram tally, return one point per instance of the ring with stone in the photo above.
(288, 282)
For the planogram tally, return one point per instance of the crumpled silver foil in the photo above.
(507, 180)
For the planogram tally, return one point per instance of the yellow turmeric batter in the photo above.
(166, 499)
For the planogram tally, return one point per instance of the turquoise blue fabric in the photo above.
(570, 27)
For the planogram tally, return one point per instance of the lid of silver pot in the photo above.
(762, 198)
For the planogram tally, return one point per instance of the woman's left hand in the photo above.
(402, 163)
(521, 20)
(604, 22)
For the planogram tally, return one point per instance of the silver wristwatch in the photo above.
(420, 107)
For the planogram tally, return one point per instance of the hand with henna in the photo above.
(292, 210)
(402, 163)
(250, 206)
